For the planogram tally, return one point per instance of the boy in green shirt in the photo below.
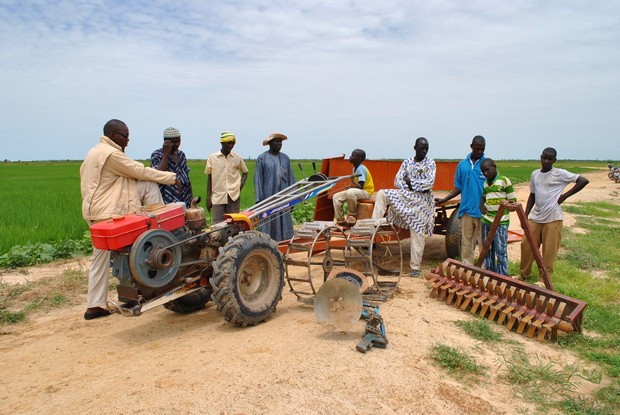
(496, 189)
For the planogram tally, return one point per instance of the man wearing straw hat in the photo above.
(226, 175)
(274, 173)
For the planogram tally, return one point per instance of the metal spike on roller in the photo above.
(528, 309)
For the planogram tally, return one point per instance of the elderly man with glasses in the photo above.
(112, 185)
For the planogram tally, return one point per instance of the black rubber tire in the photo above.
(191, 302)
(248, 277)
(453, 236)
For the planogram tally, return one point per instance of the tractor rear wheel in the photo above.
(248, 276)
(453, 235)
(191, 302)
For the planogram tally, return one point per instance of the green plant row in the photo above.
(42, 252)
(41, 201)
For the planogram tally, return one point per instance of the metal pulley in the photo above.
(154, 258)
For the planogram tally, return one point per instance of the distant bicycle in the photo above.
(614, 173)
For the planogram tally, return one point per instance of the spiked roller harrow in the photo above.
(528, 309)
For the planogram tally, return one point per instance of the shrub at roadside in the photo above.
(40, 253)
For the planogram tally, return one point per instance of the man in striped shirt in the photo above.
(170, 158)
(496, 189)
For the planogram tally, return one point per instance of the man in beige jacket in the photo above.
(112, 184)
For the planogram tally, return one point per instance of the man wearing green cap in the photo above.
(226, 175)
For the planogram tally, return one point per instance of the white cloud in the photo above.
(332, 75)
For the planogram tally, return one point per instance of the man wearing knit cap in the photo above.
(226, 175)
(170, 158)
(274, 173)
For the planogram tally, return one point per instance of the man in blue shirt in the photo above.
(170, 158)
(469, 182)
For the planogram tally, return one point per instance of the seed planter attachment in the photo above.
(529, 309)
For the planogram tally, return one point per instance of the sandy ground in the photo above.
(166, 363)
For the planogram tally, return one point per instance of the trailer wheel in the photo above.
(453, 235)
(191, 302)
(248, 276)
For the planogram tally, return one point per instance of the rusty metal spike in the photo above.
(443, 290)
(467, 300)
(524, 322)
(476, 303)
(494, 310)
(559, 312)
(513, 319)
(540, 303)
(535, 325)
(506, 313)
(529, 299)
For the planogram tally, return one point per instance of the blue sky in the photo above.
(332, 75)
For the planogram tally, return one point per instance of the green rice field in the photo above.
(41, 202)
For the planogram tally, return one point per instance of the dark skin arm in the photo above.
(452, 194)
(483, 208)
(408, 182)
(359, 185)
(209, 203)
(580, 184)
(167, 150)
(530, 204)
(163, 165)
(244, 177)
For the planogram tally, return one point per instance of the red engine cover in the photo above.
(117, 233)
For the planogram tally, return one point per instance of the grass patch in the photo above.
(480, 330)
(541, 383)
(581, 255)
(455, 360)
(18, 301)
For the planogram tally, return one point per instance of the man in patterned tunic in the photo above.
(412, 203)
(170, 158)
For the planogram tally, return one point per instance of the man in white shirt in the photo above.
(543, 210)
(226, 175)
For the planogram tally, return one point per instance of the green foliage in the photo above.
(303, 212)
(598, 250)
(41, 204)
(610, 395)
(479, 330)
(38, 253)
(542, 382)
(455, 360)
(549, 386)
(10, 317)
(588, 268)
